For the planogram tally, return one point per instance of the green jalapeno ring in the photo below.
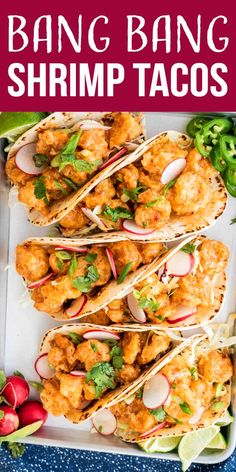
(202, 148)
(230, 176)
(228, 149)
(231, 188)
(216, 127)
(217, 160)
(196, 125)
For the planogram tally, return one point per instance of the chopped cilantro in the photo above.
(134, 193)
(145, 302)
(94, 347)
(124, 272)
(119, 212)
(75, 338)
(90, 257)
(159, 414)
(139, 393)
(103, 375)
(40, 160)
(189, 248)
(168, 186)
(73, 266)
(193, 372)
(117, 356)
(185, 408)
(60, 187)
(160, 317)
(72, 143)
(154, 202)
(40, 191)
(70, 183)
(78, 164)
(84, 283)
(92, 273)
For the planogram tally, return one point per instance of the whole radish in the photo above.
(16, 390)
(10, 420)
(31, 412)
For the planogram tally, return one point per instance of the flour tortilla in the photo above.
(119, 393)
(60, 120)
(177, 226)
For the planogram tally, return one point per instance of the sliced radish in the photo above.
(180, 264)
(112, 262)
(113, 158)
(100, 334)
(195, 418)
(76, 307)
(131, 227)
(91, 124)
(24, 160)
(105, 422)
(153, 430)
(94, 218)
(182, 313)
(136, 311)
(71, 248)
(78, 373)
(156, 391)
(40, 282)
(173, 170)
(42, 367)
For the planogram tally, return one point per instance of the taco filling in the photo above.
(57, 275)
(182, 396)
(143, 196)
(64, 159)
(186, 290)
(93, 363)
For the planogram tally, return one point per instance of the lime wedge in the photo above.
(193, 443)
(160, 444)
(226, 419)
(13, 124)
(218, 442)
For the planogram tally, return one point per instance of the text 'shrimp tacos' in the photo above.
(86, 368)
(192, 391)
(184, 288)
(163, 191)
(67, 278)
(65, 155)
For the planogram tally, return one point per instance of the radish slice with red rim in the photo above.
(91, 124)
(71, 248)
(78, 373)
(153, 430)
(111, 262)
(24, 160)
(156, 391)
(105, 422)
(43, 368)
(180, 264)
(173, 170)
(131, 227)
(136, 311)
(76, 307)
(182, 313)
(100, 334)
(94, 218)
(40, 282)
(113, 158)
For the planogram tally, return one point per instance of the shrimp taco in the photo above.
(68, 278)
(54, 162)
(192, 391)
(185, 288)
(91, 368)
(163, 191)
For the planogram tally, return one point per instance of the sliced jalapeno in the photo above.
(217, 160)
(212, 130)
(196, 125)
(228, 149)
(231, 188)
(203, 148)
(230, 176)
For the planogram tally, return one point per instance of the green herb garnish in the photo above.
(62, 256)
(153, 203)
(90, 257)
(159, 414)
(134, 193)
(189, 248)
(18, 374)
(233, 221)
(40, 159)
(75, 338)
(124, 272)
(185, 408)
(40, 191)
(145, 302)
(139, 393)
(193, 372)
(94, 347)
(168, 186)
(103, 375)
(117, 357)
(60, 187)
(16, 449)
(78, 164)
(73, 266)
(2, 379)
(83, 284)
(70, 183)
(119, 212)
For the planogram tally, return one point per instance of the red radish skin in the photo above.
(136, 311)
(105, 422)
(94, 218)
(180, 264)
(113, 158)
(10, 421)
(100, 334)
(24, 160)
(76, 307)
(111, 262)
(153, 430)
(173, 170)
(92, 124)
(42, 367)
(156, 391)
(182, 313)
(131, 227)
(71, 248)
(16, 390)
(78, 373)
(31, 412)
(40, 282)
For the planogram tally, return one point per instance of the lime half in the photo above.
(218, 442)
(160, 444)
(226, 419)
(13, 124)
(193, 443)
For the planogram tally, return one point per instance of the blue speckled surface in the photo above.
(53, 459)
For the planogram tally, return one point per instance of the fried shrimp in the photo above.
(32, 261)
(190, 194)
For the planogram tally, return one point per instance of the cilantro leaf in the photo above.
(185, 408)
(193, 372)
(154, 202)
(134, 193)
(189, 248)
(78, 164)
(168, 186)
(75, 338)
(103, 375)
(40, 159)
(92, 273)
(83, 284)
(145, 302)
(117, 357)
(40, 191)
(233, 221)
(90, 257)
(73, 266)
(124, 272)
(2, 379)
(159, 413)
(139, 393)
(60, 187)
(72, 143)
(70, 183)
(115, 213)
(94, 347)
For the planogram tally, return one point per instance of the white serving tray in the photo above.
(22, 327)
